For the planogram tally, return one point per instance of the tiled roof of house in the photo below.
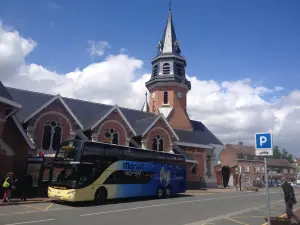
(279, 162)
(241, 149)
(89, 112)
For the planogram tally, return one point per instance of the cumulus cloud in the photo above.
(97, 48)
(233, 110)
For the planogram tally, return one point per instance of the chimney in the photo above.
(240, 143)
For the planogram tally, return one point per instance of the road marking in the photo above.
(49, 206)
(236, 221)
(28, 222)
(245, 217)
(33, 207)
(283, 215)
(166, 204)
(229, 215)
(34, 211)
(172, 203)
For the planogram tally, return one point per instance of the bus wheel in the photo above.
(101, 195)
(160, 192)
(168, 192)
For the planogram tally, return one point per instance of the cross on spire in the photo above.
(170, 5)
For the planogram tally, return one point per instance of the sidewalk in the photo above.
(211, 190)
(15, 201)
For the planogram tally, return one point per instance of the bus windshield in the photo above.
(74, 175)
(70, 151)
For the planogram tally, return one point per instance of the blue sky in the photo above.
(222, 40)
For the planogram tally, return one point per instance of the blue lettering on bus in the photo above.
(133, 166)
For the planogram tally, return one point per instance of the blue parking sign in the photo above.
(263, 141)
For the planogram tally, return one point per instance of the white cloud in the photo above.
(97, 48)
(234, 110)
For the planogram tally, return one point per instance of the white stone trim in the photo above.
(159, 128)
(113, 121)
(10, 102)
(166, 122)
(116, 107)
(57, 97)
(12, 113)
(186, 144)
(53, 112)
(21, 129)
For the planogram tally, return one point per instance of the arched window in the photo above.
(155, 70)
(166, 68)
(166, 100)
(52, 136)
(179, 69)
(158, 143)
(112, 136)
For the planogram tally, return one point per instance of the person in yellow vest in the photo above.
(6, 187)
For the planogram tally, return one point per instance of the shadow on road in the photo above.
(116, 201)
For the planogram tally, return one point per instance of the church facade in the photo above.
(163, 123)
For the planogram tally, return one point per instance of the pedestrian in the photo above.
(6, 186)
(26, 185)
(290, 200)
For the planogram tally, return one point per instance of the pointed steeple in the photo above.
(169, 43)
(145, 107)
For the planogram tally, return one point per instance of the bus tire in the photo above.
(159, 192)
(100, 195)
(168, 192)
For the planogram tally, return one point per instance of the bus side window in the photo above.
(114, 153)
(171, 158)
(92, 151)
(160, 157)
(139, 155)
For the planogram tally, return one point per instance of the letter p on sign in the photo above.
(262, 140)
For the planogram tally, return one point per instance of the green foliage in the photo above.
(282, 154)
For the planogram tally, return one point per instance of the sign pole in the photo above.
(267, 190)
(264, 147)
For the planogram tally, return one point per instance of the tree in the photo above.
(276, 152)
(282, 154)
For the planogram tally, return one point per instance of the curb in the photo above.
(23, 203)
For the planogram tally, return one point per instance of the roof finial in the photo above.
(170, 5)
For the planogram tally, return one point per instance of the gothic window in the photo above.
(166, 100)
(52, 136)
(112, 136)
(158, 143)
(166, 68)
(179, 69)
(155, 70)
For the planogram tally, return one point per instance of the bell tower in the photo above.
(168, 86)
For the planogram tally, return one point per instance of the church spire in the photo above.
(145, 107)
(169, 43)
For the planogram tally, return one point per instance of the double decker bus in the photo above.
(93, 171)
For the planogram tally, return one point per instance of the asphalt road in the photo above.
(222, 208)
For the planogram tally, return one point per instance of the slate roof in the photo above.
(241, 149)
(89, 112)
(200, 135)
(279, 163)
(4, 93)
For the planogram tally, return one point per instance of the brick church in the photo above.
(32, 122)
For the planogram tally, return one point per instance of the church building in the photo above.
(163, 124)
